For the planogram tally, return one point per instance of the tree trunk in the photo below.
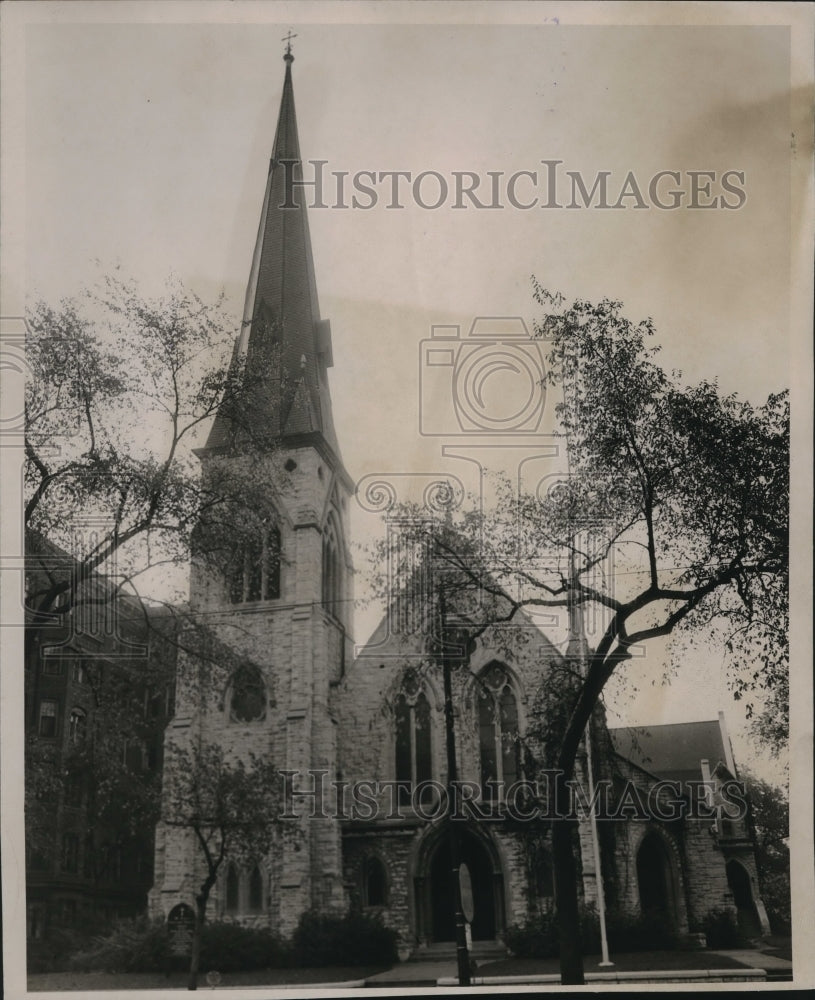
(566, 898)
(195, 956)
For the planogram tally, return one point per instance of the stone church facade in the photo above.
(283, 603)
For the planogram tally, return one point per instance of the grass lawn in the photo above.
(641, 961)
(178, 980)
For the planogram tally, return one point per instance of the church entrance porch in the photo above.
(435, 890)
(657, 882)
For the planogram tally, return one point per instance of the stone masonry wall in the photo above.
(293, 641)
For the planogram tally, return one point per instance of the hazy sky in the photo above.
(148, 143)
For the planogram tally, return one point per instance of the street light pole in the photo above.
(462, 955)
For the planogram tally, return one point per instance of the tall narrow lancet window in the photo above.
(255, 568)
(497, 732)
(255, 890)
(232, 889)
(413, 756)
(374, 883)
(332, 568)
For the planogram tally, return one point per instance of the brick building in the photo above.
(282, 603)
(99, 675)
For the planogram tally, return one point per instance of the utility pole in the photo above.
(462, 955)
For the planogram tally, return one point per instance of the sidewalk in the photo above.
(742, 965)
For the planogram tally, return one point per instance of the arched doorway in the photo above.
(441, 896)
(656, 881)
(740, 886)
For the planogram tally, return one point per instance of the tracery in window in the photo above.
(497, 732)
(244, 891)
(247, 696)
(255, 568)
(413, 738)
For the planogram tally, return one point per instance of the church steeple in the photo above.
(284, 345)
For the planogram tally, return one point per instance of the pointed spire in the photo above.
(284, 345)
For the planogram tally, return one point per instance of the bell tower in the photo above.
(281, 596)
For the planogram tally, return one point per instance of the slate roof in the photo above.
(674, 751)
(285, 345)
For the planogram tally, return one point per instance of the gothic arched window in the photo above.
(497, 732)
(255, 568)
(374, 883)
(413, 737)
(247, 696)
(232, 889)
(332, 568)
(255, 890)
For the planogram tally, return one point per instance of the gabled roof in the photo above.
(675, 751)
(284, 345)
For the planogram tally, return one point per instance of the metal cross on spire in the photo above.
(287, 39)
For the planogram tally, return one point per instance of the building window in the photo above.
(74, 789)
(497, 733)
(134, 756)
(48, 718)
(77, 725)
(36, 922)
(78, 674)
(413, 738)
(232, 889)
(374, 883)
(255, 573)
(51, 665)
(332, 568)
(255, 890)
(247, 696)
(70, 853)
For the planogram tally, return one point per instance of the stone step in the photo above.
(481, 951)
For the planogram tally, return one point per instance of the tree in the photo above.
(120, 386)
(769, 826)
(232, 810)
(687, 488)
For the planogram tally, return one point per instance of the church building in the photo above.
(282, 603)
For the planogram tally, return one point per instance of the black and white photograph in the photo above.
(406, 497)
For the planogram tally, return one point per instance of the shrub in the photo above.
(538, 938)
(230, 947)
(645, 932)
(55, 953)
(354, 939)
(143, 946)
(138, 945)
(722, 930)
